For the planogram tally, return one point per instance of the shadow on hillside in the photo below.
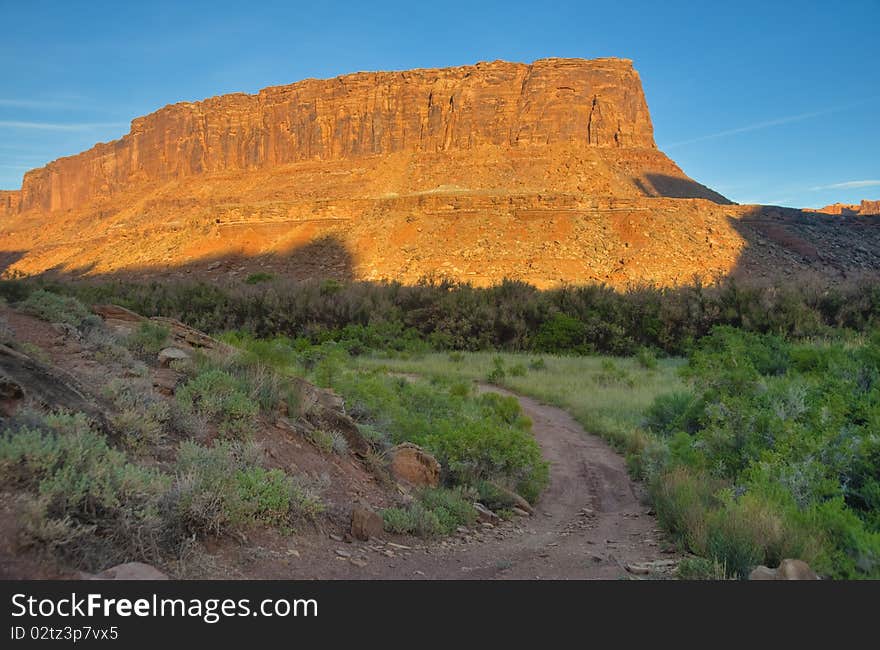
(325, 257)
(674, 187)
(8, 258)
(787, 245)
(781, 246)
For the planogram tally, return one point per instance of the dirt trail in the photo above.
(588, 524)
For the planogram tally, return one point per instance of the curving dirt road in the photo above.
(589, 523)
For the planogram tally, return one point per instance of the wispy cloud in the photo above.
(846, 185)
(60, 126)
(788, 119)
(33, 103)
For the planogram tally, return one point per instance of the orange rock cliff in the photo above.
(546, 172)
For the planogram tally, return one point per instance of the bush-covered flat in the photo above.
(438, 314)
(607, 395)
(773, 452)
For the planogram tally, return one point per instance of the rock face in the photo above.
(598, 103)
(10, 201)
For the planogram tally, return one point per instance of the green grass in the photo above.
(606, 395)
(436, 512)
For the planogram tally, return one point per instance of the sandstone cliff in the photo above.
(597, 103)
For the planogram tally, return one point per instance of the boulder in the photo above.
(189, 337)
(762, 573)
(117, 313)
(788, 569)
(484, 515)
(795, 570)
(47, 385)
(366, 523)
(11, 396)
(168, 355)
(413, 465)
(165, 381)
(517, 500)
(131, 571)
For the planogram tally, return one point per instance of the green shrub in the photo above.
(414, 520)
(142, 416)
(561, 333)
(148, 339)
(511, 316)
(57, 309)
(220, 488)
(498, 372)
(218, 395)
(672, 412)
(517, 370)
(323, 440)
(137, 429)
(775, 455)
(265, 494)
(435, 512)
(259, 277)
(700, 568)
(646, 358)
(452, 507)
(93, 506)
(493, 498)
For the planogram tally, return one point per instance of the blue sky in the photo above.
(770, 102)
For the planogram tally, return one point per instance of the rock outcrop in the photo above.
(788, 569)
(411, 464)
(552, 101)
(366, 523)
(851, 210)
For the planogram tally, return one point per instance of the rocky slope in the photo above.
(545, 172)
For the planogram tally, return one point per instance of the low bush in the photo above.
(142, 417)
(257, 278)
(93, 506)
(222, 487)
(218, 395)
(671, 413)
(148, 340)
(435, 512)
(57, 308)
(646, 358)
(774, 454)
